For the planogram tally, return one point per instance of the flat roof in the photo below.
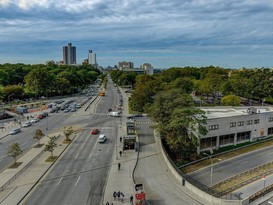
(219, 112)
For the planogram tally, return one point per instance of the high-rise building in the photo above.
(148, 68)
(92, 59)
(125, 65)
(69, 54)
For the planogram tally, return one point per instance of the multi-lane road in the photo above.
(80, 175)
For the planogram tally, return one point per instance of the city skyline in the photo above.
(167, 33)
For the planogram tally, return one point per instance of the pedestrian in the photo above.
(107, 203)
(121, 197)
(118, 194)
(112, 203)
(120, 152)
(120, 139)
(118, 166)
(115, 195)
(131, 199)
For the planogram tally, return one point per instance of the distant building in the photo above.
(69, 55)
(125, 65)
(148, 68)
(92, 59)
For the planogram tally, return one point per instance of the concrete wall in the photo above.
(210, 200)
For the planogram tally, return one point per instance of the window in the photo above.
(270, 131)
(226, 139)
(270, 119)
(243, 136)
(241, 123)
(208, 143)
(249, 122)
(233, 124)
(256, 121)
(213, 127)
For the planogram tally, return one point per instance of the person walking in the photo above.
(118, 166)
(107, 203)
(115, 195)
(120, 152)
(131, 199)
(120, 139)
(118, 195)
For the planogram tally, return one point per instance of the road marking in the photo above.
(270, 202)
(85, 141)
(90, 155)
(77, 180)
(77, 155)
(244, 162)
(59, 181)
(270, 153)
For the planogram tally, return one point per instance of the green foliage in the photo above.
(14, 150)
(230, 100)
(38, 135)
(51, 145)
(16, 91)
(67, 132)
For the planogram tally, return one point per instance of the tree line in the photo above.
(168, 97)
(24, 81)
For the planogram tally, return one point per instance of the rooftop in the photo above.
(219, 112)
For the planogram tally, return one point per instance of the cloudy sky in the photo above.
(165, 33)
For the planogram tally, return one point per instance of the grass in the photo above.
(51, 158)
(15, 165)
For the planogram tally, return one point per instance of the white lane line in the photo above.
(77, 180)
(270, 202)
(85, 141)
(244, 162)
(59, 181)
(77, 155)
(90, 155)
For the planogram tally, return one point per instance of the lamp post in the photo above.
(9, 98)
(251, 98)
(211, 167)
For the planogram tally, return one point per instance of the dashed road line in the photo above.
(59, 181)
(77, 181)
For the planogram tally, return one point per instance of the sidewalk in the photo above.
(17, 182)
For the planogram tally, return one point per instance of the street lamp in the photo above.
(9, 98)
(211, 167)
(251, 98)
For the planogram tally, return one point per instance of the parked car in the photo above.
(45, 114)
(138, 115)
(15, 131)
(95, 131)
(27, 124)
(34, 120)
(40, 117)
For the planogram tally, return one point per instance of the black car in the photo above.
(45, 114)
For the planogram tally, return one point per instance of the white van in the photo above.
(115, 114)
(102, 138)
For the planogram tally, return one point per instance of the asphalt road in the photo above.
(226, 169)
(80, 175)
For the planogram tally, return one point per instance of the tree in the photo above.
(50, 146)
(67, 132)
(38, 135)
(14, 150)
(230, 100)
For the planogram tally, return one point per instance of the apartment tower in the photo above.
(69, 54)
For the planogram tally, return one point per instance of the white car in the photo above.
(34, 120)
(27, 124)
(15, 131)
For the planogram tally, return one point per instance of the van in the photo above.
(114, 114)
(102, 138)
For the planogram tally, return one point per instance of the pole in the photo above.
(211, 168)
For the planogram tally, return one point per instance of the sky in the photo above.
(165, 33)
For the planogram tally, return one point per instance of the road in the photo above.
(234, 166)
(25, 137)
(80, 175)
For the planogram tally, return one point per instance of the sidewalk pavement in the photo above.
(15, 183)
